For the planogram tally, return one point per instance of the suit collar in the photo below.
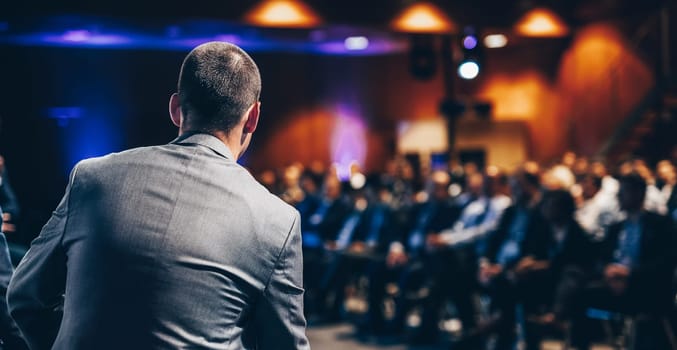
(207, 140)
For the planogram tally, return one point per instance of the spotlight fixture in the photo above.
(468, 70)
(469, 67)
(469, 42)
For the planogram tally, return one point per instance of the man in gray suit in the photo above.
(173, 246)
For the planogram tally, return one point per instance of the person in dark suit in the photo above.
(337, 265)
(505, 248)
(384, 224)
(634, 268)
(320, 229)
(555, 264)
(311, 196)
(324, 222)
(452, 263)
(173, 246)
(404, 262)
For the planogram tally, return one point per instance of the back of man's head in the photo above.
(217, 85)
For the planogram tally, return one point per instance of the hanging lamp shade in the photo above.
(541, 22)
(423, 17)
(283, 14)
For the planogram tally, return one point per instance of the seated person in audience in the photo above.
(634, 267)
(322, 225)
(404, 261)
(337, 266)
(363, 240)
(504, 250)
(598, 209)
(653, 199)
(399, 177)
(667, 176)
(375, 232)
(609, 183)
(324, 222)
(558, 177)
(453, 253)
(291, 191)
(555, 265)
(310, 188)
(569, 159)
(381, 225)
(581, 168)
(479, 217)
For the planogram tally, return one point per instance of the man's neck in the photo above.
(231, 142)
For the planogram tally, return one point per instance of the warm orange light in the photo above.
(541, 22)
(282, 13)
(423, 17)
(522, 96)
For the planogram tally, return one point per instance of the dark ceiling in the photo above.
(481, 13)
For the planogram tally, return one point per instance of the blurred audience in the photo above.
(542, 245)
(635, 265)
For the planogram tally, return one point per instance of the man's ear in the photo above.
(252, 118)
(175, 110)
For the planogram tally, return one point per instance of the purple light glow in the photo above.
(469, 42)
(229, 38)
(80, 38)
(348, 142)
(375, 47)
(97, 33)
(77, 35)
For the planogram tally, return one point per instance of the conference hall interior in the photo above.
(469, 174)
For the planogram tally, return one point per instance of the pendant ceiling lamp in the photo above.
(423, 17)
(541, 22)
(282, 14)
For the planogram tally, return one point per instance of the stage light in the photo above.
(472, 54)
(541, 22)
(495, 41)
(355, 43)
(469, 42)
(423, 17)
(468, 70)
(283, 13)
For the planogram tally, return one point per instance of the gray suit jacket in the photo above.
(164, 247)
